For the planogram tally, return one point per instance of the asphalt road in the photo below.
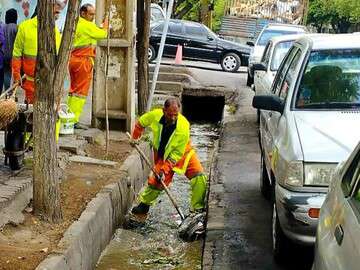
(239, 227)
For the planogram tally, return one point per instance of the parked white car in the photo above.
(308, 123)
(274, 53)
(157, 13)
(337, 239)
(269, 31)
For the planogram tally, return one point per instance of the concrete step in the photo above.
(173, 77)
(176, 87)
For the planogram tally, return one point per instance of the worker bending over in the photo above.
(82, 59)
(172, 153)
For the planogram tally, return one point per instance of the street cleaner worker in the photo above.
(172, 153)
(82, 59)
(25, 52)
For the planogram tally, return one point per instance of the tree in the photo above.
(50, 74)
(340, 14)
(142, 48)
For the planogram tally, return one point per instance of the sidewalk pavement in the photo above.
(238, 228)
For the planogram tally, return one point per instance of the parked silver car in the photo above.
(308, 123)
(338, 230)
(269, 31)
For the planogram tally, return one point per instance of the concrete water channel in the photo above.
(157, 245)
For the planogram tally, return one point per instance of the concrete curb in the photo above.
(14, 197)
(86, 238)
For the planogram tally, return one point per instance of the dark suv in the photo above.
(199, 43)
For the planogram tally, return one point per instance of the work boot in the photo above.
(142, 208)
(78, 125)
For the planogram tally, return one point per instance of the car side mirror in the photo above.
(269, 103)
(259, 66)
(210, 38)
(250, 43)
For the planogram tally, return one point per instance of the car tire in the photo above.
(265, 186)
(151, 53)
(280, 242)
(230, 62)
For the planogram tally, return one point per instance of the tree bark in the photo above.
(143, 24)
(50, 73)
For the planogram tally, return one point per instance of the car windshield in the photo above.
(331, 80)
(267, 34)
(279, 53)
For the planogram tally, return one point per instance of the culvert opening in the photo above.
(203, 108)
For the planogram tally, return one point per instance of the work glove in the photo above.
(159, 177)
(134, 142)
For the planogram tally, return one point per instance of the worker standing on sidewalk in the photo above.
(82, 59)
(172, 153)
(25, 52)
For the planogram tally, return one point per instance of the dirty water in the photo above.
(156, 245)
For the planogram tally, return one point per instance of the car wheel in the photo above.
(265, 186)
(280, 242)
(151, 53)
(230, 62)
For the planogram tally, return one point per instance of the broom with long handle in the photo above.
(167, 191)
(8, 106)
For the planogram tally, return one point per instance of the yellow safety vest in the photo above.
(87, 34)
(178, 140)
(26, 41)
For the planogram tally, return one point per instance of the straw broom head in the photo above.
(8, 111)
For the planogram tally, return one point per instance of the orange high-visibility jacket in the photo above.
(86, 35)
(25, 49)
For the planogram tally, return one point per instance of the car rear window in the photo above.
(267, 34)
(331, 80)
(280, 51)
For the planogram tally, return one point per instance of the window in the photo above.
(279, 53)
(266, 56)
(281, 73)
(195, 31)
(267, 34)
(331, 80)
(291, 75)
(159, 28)
(175, 28)
(351, 175)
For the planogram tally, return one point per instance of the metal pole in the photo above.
(106, 82)
(159, 56)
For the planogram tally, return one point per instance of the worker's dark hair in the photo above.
(11, 16)
(172, 101)
(84, 8)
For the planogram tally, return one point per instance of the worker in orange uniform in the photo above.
(25, 52)
(172, 153)
(82, 59)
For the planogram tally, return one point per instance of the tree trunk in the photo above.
(143, 24)
(50, 73)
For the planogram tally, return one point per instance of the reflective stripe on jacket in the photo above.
(86, 35)
(175, 147)
(25, 48)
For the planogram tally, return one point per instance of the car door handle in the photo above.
(339, 234)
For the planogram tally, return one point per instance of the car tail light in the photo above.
(314, 212)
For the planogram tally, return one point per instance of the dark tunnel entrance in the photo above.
(203, 108)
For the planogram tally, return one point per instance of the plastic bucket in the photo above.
(66, 118)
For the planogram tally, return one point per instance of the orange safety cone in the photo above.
(178, 57)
